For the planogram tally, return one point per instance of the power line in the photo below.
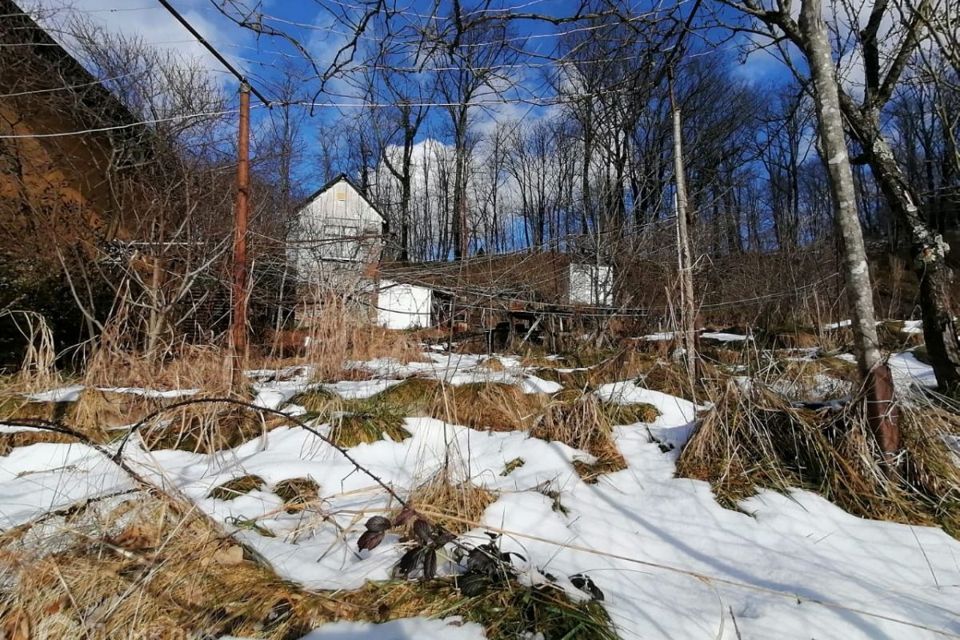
(128, 125)
(216, 54)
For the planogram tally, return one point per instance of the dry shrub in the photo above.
(754, 439)
(140, 569)
(205, 428)
(493, 406)
(456, 507)
(338, 332)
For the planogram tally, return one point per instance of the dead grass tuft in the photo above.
(364, 421)
(297, 493)
(492, 406)
(754, 439)
(582, 421)
(205, 428)
(413, 397)
(456, 507)
(236, 487)
(138, 569)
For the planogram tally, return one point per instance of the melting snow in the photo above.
(670, 560)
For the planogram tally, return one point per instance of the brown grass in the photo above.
(236, 487)
(298, 493)
(456, 507)
(757, 439)
(490, 406)
(142, 570)
(414, 396)
(138, 568)
(205, 428)
(583, 422)
(339, 332)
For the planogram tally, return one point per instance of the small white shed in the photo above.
(591, 284)
(403, 306)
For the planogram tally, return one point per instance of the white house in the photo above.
(336, 238)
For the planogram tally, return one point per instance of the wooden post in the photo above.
(688, 313)
(238, 329)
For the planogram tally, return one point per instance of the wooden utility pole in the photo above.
(238, 328)
(688, 312)
(878, 381)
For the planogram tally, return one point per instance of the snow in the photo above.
(912, 327)
(660, 337)
(908, 371)
(670, 560)
(151, 393)
(458, 369)
(62, 394)
(717, 336)
(405, 629)
(724, 337)
(837, 325)
(359, 389)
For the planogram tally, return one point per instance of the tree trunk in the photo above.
(928, 251)
(688, 313)
(875, 374)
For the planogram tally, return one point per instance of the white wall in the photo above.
(403, 306)
(330, 228)
(591, 284)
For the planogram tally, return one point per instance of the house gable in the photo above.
(336, 225)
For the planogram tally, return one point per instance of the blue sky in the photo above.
(322, 34)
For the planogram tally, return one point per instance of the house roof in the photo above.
(340, 178)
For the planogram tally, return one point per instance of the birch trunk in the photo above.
(827, 96)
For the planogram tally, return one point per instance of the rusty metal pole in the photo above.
(238, 329)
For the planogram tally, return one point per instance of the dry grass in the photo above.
(117, 361)
(456, 507)
(757, 439)
(140, 569)
(414, 396)
(507, 612)
(205, 428)
(353, 422)
(582, 421)
(236, 487)
(136, 567)
(38, 369)
(338, 332)
(297, 493)
(489, 406)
